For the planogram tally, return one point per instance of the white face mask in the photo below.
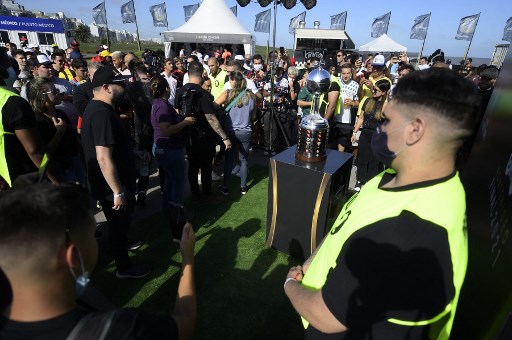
(258, 67)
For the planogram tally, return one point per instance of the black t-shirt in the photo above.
(334, 87)
(398, 268)
(17, 115)
(68, 146)
(126, 324)
(370, 121)
(82, 95)
(202, 103)
(102, 127)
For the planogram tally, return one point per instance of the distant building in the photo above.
(13, 6)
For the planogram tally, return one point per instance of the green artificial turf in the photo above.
(239, 282)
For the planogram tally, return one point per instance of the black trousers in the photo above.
(368, 165)
(119, 222)
(143, 181)
(200, 156)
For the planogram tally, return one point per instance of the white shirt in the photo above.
(172, 86)
(250, 86)
(348, 90)
(423, 67)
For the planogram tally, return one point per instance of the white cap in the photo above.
(239, 57)
(379, 60)
(42, 59)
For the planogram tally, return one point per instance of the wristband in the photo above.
(288, 280)
(121, 194)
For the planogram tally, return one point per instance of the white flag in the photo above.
(467, 27)
(380, 25)
(99, 14)
(338, 21)
(294, 22)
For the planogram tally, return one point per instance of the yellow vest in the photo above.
(218, 83)
(443, 204)
(66, 74)
(324, 99)
(4, 169)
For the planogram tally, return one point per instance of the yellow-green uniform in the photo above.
(393, 264)
(218, 83)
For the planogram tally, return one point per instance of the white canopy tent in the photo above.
(382, 44)
(212, 23)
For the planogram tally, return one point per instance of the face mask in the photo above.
(82, 281)
(380, 147)
(258, 67)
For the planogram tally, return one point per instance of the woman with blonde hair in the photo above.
(369, 119)
(240, 111)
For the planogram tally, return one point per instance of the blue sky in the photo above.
(444, 22)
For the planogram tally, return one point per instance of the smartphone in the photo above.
(178, 220)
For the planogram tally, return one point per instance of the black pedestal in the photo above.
(304, 200)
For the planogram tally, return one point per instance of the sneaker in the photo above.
(223, 190)
(357, 187)
(216, 177)
(133, 272)
(134, 244)
(243, 190)
(141, 199)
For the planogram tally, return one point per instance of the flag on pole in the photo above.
(262, 23)
(159, 14)
(380, 25)
(420, 27)
(294, 22)
(190, 10)
(507, 32)
(128, 13)
(99, 14)
(467, 27)
(234, 10)
(338, 21)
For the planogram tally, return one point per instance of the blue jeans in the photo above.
(240, 141)
(173, 163)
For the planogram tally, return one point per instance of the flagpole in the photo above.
(106, 24)
(136, 25)
(268, 39)
(422, 46)
(470, 41)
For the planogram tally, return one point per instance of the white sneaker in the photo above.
(216, 177)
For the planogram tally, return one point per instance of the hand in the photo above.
(295, 273)
(358, 63)
(119, 202)
(353, 138)
(368, 82)
(227, 143)
(348, 102)
(187, 243)
(189, 120)
(59, 125)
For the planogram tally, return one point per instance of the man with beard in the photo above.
(217, 76)
(110, 165)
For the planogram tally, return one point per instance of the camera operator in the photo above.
(281, 91)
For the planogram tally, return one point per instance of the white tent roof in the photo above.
(213, 22)
(382, 44)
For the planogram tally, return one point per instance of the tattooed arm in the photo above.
(215, 124)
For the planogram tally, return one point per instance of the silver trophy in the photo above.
(314, 129)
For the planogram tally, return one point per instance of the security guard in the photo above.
(217, 76)
(393, 263)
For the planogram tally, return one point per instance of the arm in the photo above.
(32, 145)
(185, 309)
(169, 129)
(220, 99)
(215, 124)
(109, 171)
(359, 122)
(310, 304)
(293, 94)
(332, 98)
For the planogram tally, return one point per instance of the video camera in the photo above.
(154, 60)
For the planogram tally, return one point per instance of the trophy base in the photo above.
(310, 159)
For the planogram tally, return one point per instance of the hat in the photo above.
(42, 59)
(107, 75)
(75, 55)
(379, 60)
(28, 50)
(490, 72)
(55, 45)
(105, 53)
(239, 57)
(98, 59)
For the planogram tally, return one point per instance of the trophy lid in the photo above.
(318, 81)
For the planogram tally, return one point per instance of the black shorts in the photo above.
(344, 134)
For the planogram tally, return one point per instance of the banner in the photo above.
(507, 32)
(420, 27)
(128, 13)
(294, 22)
(467, 27)
(159, 14)
(99, 14)
(380, 25)
(190, 10)
(262, 23)
(12, 23)
(338, 21)
(234, 10)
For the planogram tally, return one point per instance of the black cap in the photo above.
(107, 75)
(490, 72)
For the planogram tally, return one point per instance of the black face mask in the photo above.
(379, 145)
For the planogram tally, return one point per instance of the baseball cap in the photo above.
(105, 53)
(55, 45)
(378, 60)
(239, 57)
(107, 75)
(38, 60)
(490, 72)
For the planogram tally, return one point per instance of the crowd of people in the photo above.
(100, 123)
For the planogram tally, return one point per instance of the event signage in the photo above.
(31, 24)
(314, 54)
